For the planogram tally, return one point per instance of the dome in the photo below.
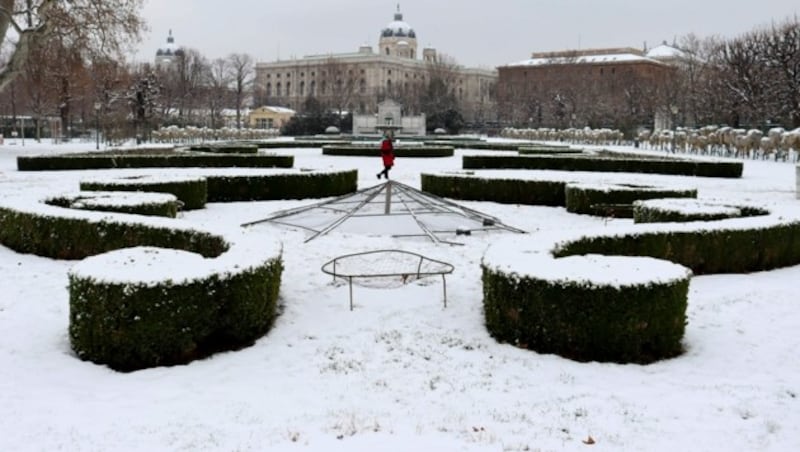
(398, 28)
(170, 48)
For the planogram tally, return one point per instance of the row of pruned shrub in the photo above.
(123, 160)
(615, 199)
(226, 148)
(150, 204)
(621, 295)
(195, 191)
(605, 164)
(178, 295)
(374, 151)
(191, 191)
(686, 210)
(591, 199)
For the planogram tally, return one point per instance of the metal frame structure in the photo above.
(397, 199)
(330, 268)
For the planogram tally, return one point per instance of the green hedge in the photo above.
(296, 144)
(605, 164)
(524, 150)
(281, 186)
(506, 191)
(584, 321)
(400, 152)
(226, 148)
(101, 161)
(74, 237)
(193, 193)
(673, 212)
(160, 206)
(140, 325)
(719, 250)
(615, 199)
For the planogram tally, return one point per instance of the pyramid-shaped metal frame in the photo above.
(393, 198)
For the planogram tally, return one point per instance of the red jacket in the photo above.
(387, 152)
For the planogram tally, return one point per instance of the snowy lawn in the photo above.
(400, 372)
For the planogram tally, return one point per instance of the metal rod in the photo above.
(351, 292)
(444, 288)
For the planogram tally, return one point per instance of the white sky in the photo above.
(474, 32)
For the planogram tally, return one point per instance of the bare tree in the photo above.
(91, 26)
(218, 79)
(241, 69)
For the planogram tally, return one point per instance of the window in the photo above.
(302, 74)
(313, 74)
(302, 88)
(312, 89)
(269, 89)
(389, 72)
(288, 89)
(387, 50)
(288, 75)
(278, 89)
(362, 86)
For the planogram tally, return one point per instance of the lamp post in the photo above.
(674, 110)
(97, 106)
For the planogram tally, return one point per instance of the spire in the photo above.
(170, 39)
(398, 15)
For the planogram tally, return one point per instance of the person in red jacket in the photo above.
(387, 154)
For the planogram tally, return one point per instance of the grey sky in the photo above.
(475, 32)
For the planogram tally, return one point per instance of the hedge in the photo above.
(101, 161)
(681, 211)
(191, 191)
(226, 148)
(401, 152)
(589, 320)
(615, 199)
(507, 191)
(605, 164)
(281, 186)
(135, 319)
(150, 204)
(537, 150)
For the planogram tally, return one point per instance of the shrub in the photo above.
(615, 199)
(91, 161)
(281, 186)
(191, 191)
(150, 204)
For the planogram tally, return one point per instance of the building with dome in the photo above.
(358, 81)
(167, 55)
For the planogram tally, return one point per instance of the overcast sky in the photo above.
(482, 33)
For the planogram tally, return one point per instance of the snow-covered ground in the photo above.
(401, 372)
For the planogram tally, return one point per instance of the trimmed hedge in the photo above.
(105, 161)
(681, 211)
(281, 186)
(616, 199)
(605, 164)
(719, 250)
(584, 320)
(149, 204)
(192, 192)
(76, 237)
(402, 152)
(226, 148)
(537, 150)
(130, 326)
(296, 144)
(506, 191)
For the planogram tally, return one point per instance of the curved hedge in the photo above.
(191, 191)
(685, 210)
(605, 164)
(522, 310)
(402, 152)
(281, 186)
(615, 199)
(150, 204)
(226, 148)
(141, 316)
(507, 191)
(638, 319)
(178, 160)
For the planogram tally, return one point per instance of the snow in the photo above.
(401, 372)
(588, 59)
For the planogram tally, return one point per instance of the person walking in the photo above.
(387, 154)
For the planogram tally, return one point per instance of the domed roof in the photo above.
(398, 28)
(170, 48)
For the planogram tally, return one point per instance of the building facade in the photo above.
(356, 82)
(617, 87)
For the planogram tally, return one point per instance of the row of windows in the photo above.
(350, 73)
(312, 88)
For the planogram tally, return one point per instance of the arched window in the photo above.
(278, 89)
(388, 85)
(362, 86)
(288, 88)
(324, 87)
(269, 89)
(412, 54)
(387, 50)
(302, 88)
(312, 88)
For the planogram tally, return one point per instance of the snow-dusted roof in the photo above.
(277, 109)
(585, 59)
(665, 51)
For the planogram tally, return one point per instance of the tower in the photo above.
(166, 56)
(398, 38)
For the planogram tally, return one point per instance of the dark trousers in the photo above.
(385, 172)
